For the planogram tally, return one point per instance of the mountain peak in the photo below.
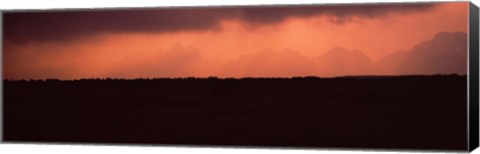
(337, 49)
(445, 53)
(450, 35)
(177, 45)
(342, 52)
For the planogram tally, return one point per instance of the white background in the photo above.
(124, 149)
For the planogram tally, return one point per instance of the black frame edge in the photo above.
(2, 107)
(473, 107)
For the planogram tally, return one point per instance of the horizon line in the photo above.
(238, 78)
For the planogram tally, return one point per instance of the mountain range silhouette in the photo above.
(446, 53)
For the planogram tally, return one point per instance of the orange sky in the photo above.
(228, 46)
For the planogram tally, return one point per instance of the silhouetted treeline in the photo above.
(232, 78)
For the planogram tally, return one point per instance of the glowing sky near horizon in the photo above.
(204, 42)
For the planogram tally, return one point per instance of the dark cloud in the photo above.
(67, 25)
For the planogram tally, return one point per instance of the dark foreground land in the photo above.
(413, 112)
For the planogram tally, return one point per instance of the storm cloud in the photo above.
(73, 24)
